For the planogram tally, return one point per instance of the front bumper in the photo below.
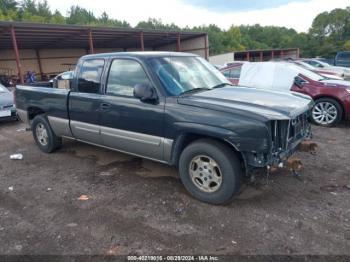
(258, 160)
(12, 116)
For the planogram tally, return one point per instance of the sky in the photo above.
(297, 14)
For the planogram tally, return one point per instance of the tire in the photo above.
(333, 112)
(43, 135)
(228, 165)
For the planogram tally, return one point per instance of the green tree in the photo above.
(346, 45)
(106, 21)
(330, 30)
(57, 18)
(153, 23)
(7, 5)
(79, 15)
(232, 39)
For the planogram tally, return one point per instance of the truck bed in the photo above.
(53, 101)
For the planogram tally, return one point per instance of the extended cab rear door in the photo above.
(85, 101)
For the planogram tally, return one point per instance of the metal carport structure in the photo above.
(37, 38)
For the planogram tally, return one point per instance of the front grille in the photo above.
(299, 126)
(6, 107)
(285, 132)
(279, 130)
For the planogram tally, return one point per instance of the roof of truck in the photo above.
(139, 54)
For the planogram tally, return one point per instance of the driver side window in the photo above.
(123, 75)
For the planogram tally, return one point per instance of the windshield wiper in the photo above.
(195, 90)
(221, 85)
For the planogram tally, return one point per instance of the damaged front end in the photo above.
(284, 138)
(286, 135)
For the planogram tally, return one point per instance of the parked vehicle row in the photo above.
(174, 108)
(323, 72)
(331, 96)
(343, 72)
(342, 59)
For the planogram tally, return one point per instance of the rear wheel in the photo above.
(326, 112)
(210, 171)
(43, 135)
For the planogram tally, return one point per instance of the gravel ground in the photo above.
(140, 207)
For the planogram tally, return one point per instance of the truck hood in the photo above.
(269, 104)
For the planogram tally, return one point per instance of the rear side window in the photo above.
(236, 72)
(227, 73)
(90, 76)
(123, 76)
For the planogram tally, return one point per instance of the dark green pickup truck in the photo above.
(174, 108)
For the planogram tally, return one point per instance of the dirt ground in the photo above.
(140, 207)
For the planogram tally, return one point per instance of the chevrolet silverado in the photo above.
(174, 108)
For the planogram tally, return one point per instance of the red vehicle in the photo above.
(332, 97)
(232, 71)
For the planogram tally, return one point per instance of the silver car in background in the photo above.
(7, 106)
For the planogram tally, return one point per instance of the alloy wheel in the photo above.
(41, 134)
(324, 113)
(205, 173)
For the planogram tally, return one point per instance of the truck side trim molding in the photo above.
(131, 136)
(148, 146)
(60, 126)
(118, 150)
(78, 126)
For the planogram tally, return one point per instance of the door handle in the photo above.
(105, 106)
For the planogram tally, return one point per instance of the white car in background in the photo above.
(341, 71)
(323, 72)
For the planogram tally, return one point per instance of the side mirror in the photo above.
(145, 92)
(299, 82)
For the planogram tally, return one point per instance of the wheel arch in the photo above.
(33, 111)
(186, 138)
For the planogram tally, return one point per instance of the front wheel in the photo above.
(210, 171)
(326, 112)
(43, 135)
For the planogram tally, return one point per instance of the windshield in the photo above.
(323, 63)
(184, 74)
(309, 74)
(305, 65)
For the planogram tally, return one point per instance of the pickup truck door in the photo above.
(84, 102)
(127, 124)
